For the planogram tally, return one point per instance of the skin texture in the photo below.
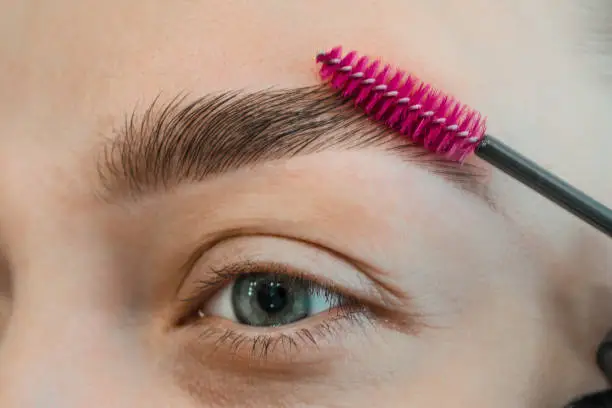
(495, 310)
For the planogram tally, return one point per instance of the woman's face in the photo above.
(175, 232)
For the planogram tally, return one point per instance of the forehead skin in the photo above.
(70, 70)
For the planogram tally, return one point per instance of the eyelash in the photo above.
(347, 311)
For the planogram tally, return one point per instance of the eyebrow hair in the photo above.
(180, 142)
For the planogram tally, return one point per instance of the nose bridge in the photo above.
(82, 360)
(69, 342)
(53, 373)
(67, 350)
(65, 345)
(61, 361)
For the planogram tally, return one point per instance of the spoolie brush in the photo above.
(443, 125)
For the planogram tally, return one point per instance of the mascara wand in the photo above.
(445, 126)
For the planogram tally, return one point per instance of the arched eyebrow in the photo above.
(188, 142)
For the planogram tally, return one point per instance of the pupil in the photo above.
(272, 297)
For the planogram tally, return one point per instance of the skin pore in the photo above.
(117, 300)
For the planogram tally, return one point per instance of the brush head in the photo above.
(438, 122)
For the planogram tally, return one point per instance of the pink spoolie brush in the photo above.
(445, 126)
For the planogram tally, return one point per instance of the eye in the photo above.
(271, 299)
(275, 300)
(264, 308)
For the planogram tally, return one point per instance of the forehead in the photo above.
(91, 61)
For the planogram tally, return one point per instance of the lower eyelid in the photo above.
(302, 341)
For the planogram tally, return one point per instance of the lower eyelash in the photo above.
(240, 343)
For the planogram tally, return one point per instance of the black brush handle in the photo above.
(548, 185)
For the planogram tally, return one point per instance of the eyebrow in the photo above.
(185, 142)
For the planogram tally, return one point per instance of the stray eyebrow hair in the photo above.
(185, 142)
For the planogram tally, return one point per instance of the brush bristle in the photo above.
(438, 122)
